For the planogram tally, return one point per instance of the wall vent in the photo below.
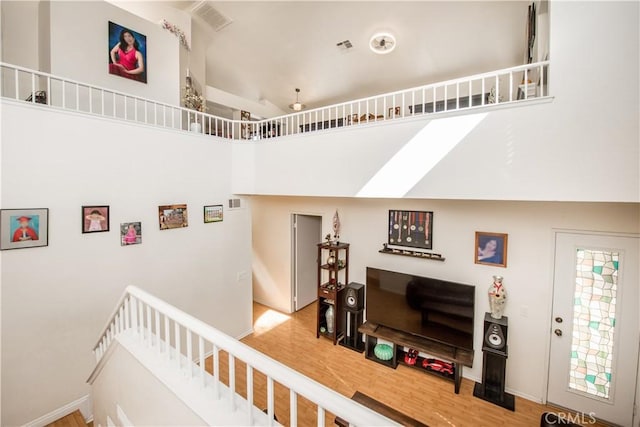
(234, 204)
(209, 14)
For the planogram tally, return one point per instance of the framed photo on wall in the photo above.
(491, 249)
(127, 53)
(95, 219)
(411, 229)
(173, 216)
(24, 228)
(213, 213)
(130, 233)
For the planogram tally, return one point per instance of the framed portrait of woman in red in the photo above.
(127, 53)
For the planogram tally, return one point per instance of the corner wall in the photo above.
(56, 299)
(527, 278)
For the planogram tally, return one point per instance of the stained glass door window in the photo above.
(594, 321)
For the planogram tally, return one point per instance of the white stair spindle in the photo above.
(293, 408)
(178, 339)
(77, 97)
(413, 102)
(149, 329)
(458, 96)
(216, 372)
(48, 90)
(497, 89)
(201, 360)
(64, 92)
(141, 320)
(482, 95)
(470, 94)
(158, 335)
(510, 86)
(526, 83)
(270, 400)
(167, 337)
(90, 99)
(127, 312)
(446, 104)
(320, 416)
(250, 393)
(189, 352)
(232, 382)
(33, 88)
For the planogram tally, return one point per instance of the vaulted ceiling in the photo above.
(271, 48)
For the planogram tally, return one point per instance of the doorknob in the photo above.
(558, 332)
(559, 319)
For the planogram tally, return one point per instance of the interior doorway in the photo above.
(594, 339)
(307, 233)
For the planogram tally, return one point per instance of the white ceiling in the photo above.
(271, 48)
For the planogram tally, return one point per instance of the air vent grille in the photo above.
(234, 204)
(345, 44)
(209, 14)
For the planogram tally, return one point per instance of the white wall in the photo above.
(56, 299)
(145, 400)
(527, 278)
(80, 49)
(583, 146)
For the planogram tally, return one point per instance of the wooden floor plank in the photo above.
(74, 419)
(426, 398)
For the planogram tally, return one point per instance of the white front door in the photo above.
(595, 326)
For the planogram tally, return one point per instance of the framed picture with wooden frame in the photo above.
(394, 112)
(24, 228)
(213, 213)
(491, 249)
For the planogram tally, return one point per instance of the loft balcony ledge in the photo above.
(505, 88)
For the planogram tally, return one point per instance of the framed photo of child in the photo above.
(95, 219)
(130, 233)
(24, 228)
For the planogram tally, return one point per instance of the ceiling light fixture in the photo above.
(297, 106)
(382, 43)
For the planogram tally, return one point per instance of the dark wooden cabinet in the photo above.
(436, 353)
(333, 275)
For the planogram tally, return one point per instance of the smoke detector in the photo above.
(382, 43)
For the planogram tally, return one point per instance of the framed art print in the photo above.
(173, 216)
(212, 213)
(24, 228)
(411, 229)
(95, 219)
(127, 53)
(491, 249)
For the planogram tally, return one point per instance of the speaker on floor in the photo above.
(495, 334)
(354, 297)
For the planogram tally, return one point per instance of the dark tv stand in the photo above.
(458, 357)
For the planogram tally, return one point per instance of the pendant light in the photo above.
(297, 106)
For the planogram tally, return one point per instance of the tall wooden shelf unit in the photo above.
(333, 275)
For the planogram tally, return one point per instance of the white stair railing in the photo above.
(164, 329)
(505, 86)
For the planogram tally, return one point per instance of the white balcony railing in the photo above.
(506, 86)
(183, 342)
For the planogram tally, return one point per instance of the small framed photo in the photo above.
(95, 219)
(173, 216)
(491, 249)
(212, 213)
(130, 233)
(24, 228)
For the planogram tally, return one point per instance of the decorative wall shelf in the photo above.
(413, 254)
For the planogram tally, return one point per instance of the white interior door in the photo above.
(307, 233)
(595, 326)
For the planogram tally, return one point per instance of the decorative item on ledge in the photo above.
(414, 254)
(176, 31)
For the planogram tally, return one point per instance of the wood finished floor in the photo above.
(424, 397)
(74, 419)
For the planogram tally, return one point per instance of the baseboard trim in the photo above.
(83, 404)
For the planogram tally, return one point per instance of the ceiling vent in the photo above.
(345, 45)
(209, 14)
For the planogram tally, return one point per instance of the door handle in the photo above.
(558, 332)
(559, 319)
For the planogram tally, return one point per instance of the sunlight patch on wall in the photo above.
(419, 155)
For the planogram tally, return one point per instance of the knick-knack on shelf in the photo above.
(329, 315)
(497, 297)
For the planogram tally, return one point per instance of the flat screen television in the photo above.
(431, 308)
